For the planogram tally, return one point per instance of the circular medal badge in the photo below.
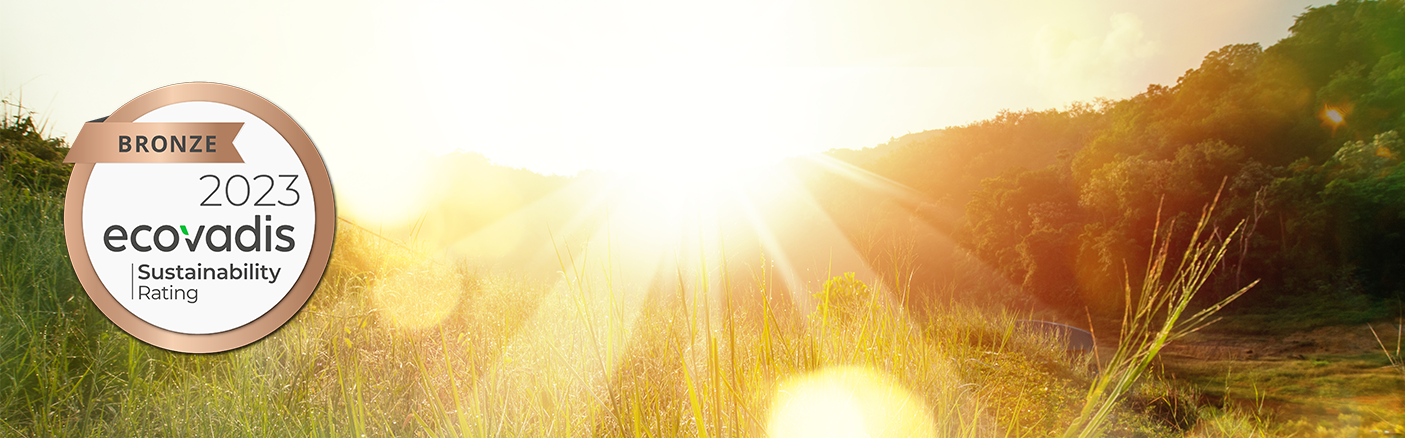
(199, 217)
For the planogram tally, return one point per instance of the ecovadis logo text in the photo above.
(236, 241)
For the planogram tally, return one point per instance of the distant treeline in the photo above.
(1304, 135)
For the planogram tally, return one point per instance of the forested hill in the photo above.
(1305, 135)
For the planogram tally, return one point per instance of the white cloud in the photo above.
(1069, 68)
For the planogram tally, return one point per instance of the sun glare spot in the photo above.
(847, 402)
(1333, 117)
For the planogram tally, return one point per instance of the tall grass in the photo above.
(46, 328)
(396, 342)
(1396, 362)
(1154, 316)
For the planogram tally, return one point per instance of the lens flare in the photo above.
(1333, 116)
(848, 402)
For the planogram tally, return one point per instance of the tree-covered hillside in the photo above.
(1304, 136)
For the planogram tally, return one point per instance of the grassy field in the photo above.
(1327, 393)
(396, 343)
(1331, 381)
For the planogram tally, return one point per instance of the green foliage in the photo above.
(29, 160)
(52, 340)
(1027, 221)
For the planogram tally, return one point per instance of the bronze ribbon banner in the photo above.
(114, 142)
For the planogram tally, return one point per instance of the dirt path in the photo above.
(1333, 340)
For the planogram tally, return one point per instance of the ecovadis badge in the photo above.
(199, 217)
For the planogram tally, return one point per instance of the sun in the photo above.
(693, 174)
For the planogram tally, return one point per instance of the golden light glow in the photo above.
(395, 193)
(848, 402)
(417, 296)
(645, 224)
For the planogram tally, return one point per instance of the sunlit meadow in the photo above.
(701, 284)
(400, 340)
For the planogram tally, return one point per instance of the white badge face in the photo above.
(202, 248)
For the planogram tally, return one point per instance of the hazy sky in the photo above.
(564, 86)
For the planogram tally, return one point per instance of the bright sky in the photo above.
(558, 87)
